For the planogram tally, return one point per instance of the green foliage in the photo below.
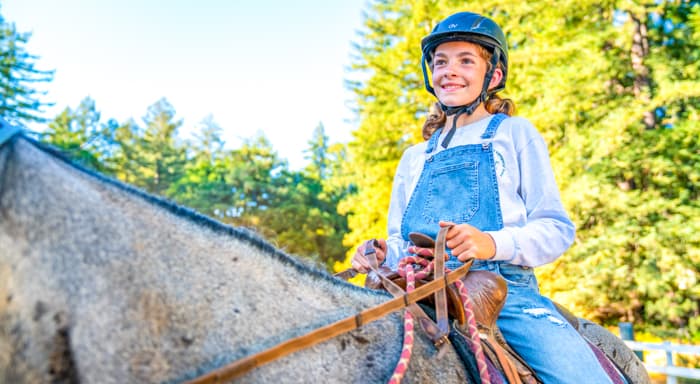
(252, 187)
(613, 87)
(79, 133)
(296, 210)
(19, 99)
(325, 190)
(203, 185)
(389, 104)
(161, 158)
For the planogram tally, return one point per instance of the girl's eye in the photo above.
(467, 61)
(440, 61)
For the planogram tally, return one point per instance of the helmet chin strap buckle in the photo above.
(458, 111)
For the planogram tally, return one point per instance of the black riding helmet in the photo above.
(473, 28)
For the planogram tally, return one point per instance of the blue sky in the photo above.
(271, 66)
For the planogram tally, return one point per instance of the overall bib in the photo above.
(459, 185)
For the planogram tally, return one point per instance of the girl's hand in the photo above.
(468, 242)
(359, 261)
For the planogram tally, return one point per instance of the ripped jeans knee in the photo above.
(545, 314)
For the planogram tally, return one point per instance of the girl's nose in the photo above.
(449, 72)
(450, 68)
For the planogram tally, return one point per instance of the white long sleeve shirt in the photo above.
(537, 229)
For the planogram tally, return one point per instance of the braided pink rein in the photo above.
(408, 326)
(406, 270)
(475, 344)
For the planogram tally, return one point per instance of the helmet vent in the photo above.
(477, 23)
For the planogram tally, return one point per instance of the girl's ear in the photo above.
(496, 78)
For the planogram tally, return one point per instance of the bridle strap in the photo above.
(441, 295)
(244, 365)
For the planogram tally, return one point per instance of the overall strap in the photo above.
(491, 129)
(489, 132)
(432, 143)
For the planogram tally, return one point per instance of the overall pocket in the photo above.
(516, 275)
(453, 193)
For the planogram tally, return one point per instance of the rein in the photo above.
(406, 270)
(246, 364)
(437, 268)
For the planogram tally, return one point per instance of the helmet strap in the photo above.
(456, 112)
(426, 77)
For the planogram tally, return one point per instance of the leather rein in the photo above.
(404, 300)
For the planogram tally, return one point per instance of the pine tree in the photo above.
(203, 185)
(79, 133)
(20, 100)
(157, 157)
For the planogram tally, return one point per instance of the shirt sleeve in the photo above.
(547, 232)
(396, 245)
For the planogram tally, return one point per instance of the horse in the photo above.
(102, 282)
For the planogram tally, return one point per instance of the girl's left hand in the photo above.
(468, 242)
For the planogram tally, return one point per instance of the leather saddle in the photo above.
(487, 291)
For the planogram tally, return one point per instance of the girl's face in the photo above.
(458, 72)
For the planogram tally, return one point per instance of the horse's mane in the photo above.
(186, 213)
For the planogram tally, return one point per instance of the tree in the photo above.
(613, 88)
(389, 105)
(250, 173)
(81, 136)
(318, 191)
(317, 153)
(151, 157)
(19, 99)
(203, 185)
(632, 187)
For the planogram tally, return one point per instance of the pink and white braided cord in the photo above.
(406, 270)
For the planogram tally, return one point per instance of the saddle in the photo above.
(487, 292)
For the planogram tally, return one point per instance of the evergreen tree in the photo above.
(317, 153)
(153, 158)
(203, 185)
(250, 173)
(631, 182)
(19, 98)
(322, 190)
(389, 105)
(81, 136)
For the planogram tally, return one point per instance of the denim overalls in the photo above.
(459, 184)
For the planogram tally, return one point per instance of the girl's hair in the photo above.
(494, 104)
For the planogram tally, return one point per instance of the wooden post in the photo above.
(670, 379)
(627, 333)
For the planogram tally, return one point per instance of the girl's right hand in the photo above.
(359, 260)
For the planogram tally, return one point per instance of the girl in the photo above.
(489, 176)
